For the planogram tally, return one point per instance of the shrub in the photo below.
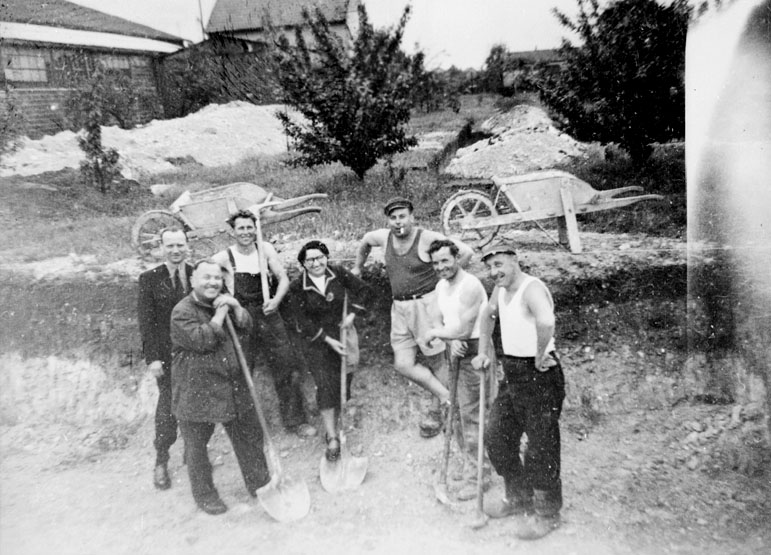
(101, 165)
(355, 100)
(11, 126)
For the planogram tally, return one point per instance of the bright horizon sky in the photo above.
(450, 32)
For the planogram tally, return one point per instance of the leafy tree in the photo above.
(495, 65)
(355, 98)
(625, 83)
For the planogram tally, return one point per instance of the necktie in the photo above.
(177, 280)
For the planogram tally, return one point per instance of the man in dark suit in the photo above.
(159, 290)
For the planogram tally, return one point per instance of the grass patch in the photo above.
(474, 107)
(75, 218)
(663, 173)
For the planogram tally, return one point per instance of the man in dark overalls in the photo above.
(241, 266)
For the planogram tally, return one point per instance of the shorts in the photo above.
(412, 319)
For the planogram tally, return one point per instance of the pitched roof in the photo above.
(535, 56)
(241, 15)
(60, 13)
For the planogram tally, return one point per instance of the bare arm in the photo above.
(375, 238)
(471, 299)
(538, 302)
(277, 269)
(486, 327)
(464, 251)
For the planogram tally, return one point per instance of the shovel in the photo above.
(347, 472)
(480, 518)
(440, 488)
(282, 498)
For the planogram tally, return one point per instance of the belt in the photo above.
(410, 297)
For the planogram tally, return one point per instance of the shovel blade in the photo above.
(285, 500)
(346, 473)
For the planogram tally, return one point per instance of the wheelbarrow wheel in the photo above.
(146, 233)
(464, 207)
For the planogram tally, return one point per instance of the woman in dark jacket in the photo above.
(316, 300)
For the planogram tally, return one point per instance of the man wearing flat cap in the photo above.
(414, 309)
(529, 398)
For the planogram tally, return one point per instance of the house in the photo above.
(233, 56)
(47, 46)
(519, 64)
(245, 19)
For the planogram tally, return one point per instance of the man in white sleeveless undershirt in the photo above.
(461, 297)
(530, 396)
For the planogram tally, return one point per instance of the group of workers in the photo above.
(438, 308)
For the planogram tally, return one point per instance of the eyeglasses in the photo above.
(319, 259)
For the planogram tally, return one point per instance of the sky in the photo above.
(450, 32)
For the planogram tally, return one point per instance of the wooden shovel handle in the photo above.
(274, 466)
(343, 365)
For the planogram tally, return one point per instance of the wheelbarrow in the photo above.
(475, 216)
(204, 214)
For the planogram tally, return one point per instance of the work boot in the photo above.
(511, 504)
(213, 506)
(161, 478)
(433, 424)
(535, 526)
(469, 489)
(505, 506)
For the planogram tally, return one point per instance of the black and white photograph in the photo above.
(385, 277)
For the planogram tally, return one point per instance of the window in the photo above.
(70, 67)
(25, 65)
(116, 65)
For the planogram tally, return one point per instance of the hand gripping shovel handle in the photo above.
(274, 466)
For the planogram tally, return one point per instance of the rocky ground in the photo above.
(648, 468)
(650, 464)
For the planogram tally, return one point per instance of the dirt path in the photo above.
(626, 492)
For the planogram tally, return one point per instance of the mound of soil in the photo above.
(520, 141)
(216, 135)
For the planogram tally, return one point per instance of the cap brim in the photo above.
(502, 250)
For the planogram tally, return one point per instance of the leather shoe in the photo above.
(504, 507)
(433, 423)
(535, 526)
(213, 506)
(161, 477)
(333, 448)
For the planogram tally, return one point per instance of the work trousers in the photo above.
(246, 437)
(529, 402)
(284, 362)
(165, 421)
(468, 401)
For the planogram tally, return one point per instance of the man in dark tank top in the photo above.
(414, 309)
